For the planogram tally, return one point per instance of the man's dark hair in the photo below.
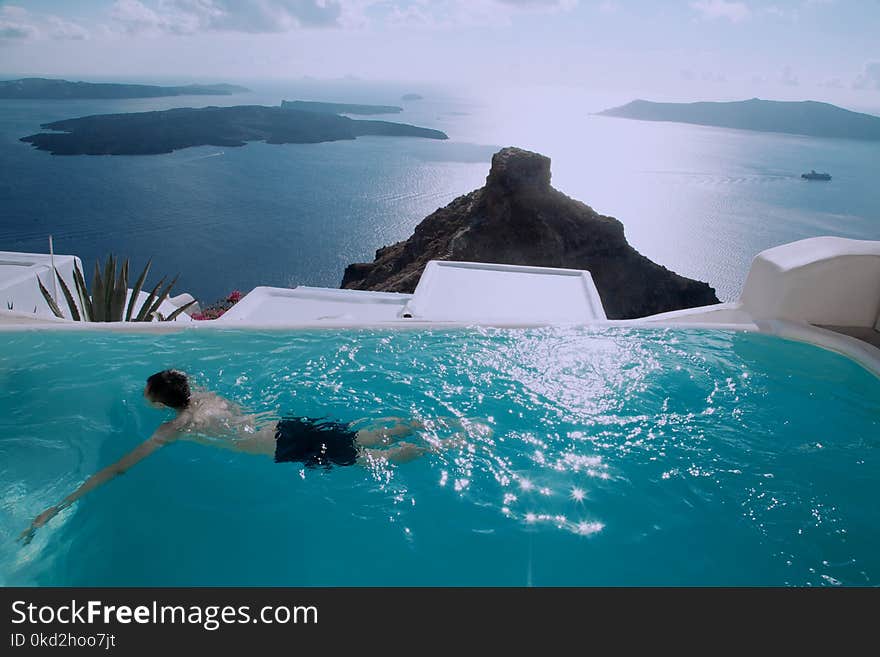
(169, 387)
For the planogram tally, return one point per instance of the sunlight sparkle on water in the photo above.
(586, 528)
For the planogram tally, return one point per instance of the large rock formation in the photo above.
(518, 218)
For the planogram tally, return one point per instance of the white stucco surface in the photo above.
(275, 305)
(18, 280)
(821, 280)
(719, 313)
(485, 293)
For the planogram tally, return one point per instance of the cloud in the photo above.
(869, 78)
(722, 10)
(268, 16)
(788, 78)
(58, 28)
(540, 4)
(709, 76)
(13, 12)
(706, 76)
(17, 23)
(135, 17)
(9, 30)
(690, 75)
(773, 10)
(14, 24)
(448, 14)
(254, 16)
(445, 14)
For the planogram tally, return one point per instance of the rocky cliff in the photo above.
(518, 218)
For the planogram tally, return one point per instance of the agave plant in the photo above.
(106, 302)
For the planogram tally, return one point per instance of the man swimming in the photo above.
(206, 418)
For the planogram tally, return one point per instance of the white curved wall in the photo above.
(19, 290)
(822, 280)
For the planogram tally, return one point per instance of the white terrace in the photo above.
(824, 290)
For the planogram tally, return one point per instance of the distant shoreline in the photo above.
(808, 118)
(152, 133)
(51, 89)
(339, 108)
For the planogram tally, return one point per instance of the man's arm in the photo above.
(164, 434)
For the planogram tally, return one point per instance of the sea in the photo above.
(701, 201)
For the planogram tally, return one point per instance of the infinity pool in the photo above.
(616, 457)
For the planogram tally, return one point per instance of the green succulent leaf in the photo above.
(137, 290)
(148, 303)
(74, 311)
(162, 297)
(180, 310)
(98, 295)
(106, 302)
(117, 302)
(83, 291)
(109, 281)
(49, 300)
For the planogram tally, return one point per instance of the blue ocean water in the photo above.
(616, 457)
(702, 201)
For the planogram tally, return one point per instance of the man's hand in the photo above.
(164, 434)
(28, 534)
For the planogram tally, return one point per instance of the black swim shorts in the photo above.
(317, 443)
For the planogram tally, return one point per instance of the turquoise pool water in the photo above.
(618, 457)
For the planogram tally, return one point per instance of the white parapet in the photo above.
(484, 293)
(822, 280)
(462, 292)
(278, 305)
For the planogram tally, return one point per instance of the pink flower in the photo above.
(234, 296)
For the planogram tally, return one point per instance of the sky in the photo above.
(658, 49)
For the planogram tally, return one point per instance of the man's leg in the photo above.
(374, 435)
(400, 453)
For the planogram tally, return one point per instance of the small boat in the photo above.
(813, 175)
